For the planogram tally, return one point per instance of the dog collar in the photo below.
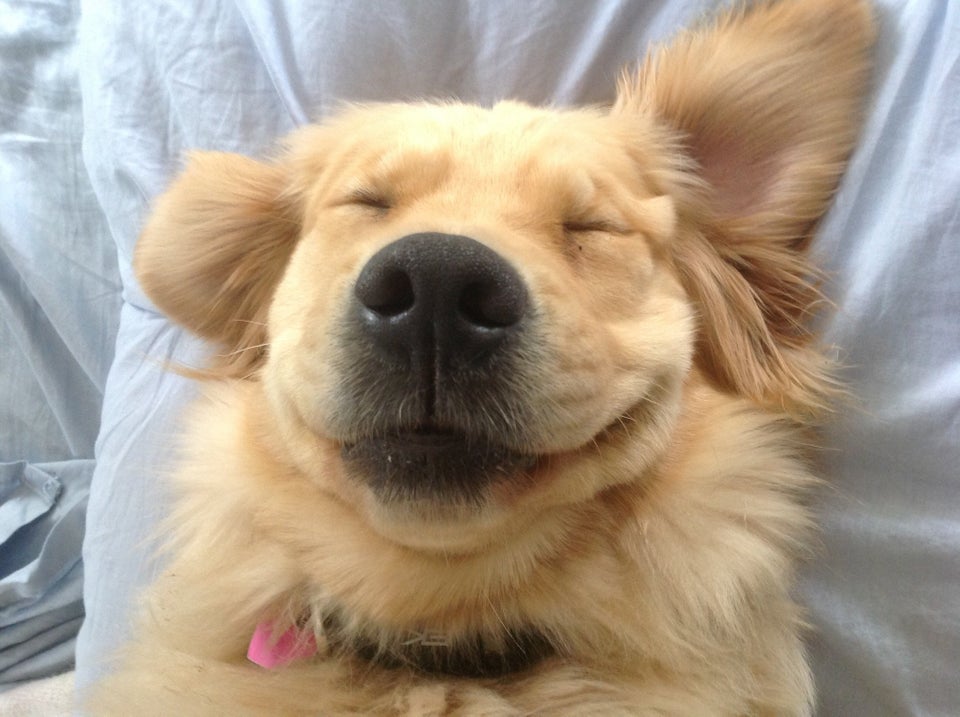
(426, 652)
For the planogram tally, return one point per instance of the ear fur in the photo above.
(214, 249)
(766, 100)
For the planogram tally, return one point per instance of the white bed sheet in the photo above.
(884, 595)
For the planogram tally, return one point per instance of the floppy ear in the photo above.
(766, 100)
(215, 248)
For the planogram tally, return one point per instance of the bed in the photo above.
(98, 108)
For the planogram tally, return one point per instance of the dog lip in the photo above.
(432, 463)
(426, 439)
(429, 439)
(422, 435)
(432, 430)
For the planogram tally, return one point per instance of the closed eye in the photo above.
(369, 199)
(591, 226)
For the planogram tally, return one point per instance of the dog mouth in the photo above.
(435, 463)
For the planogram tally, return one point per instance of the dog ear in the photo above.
(214, 249)
(767, 101)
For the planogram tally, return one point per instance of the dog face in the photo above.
(461, 316)
(475, 295)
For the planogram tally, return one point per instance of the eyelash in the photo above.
(370, 200)
(588, 227)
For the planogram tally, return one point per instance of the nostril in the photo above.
(438, 300)
(491, 305)
(388, 292)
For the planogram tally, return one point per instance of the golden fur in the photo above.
(665, 396)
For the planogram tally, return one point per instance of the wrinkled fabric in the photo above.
(59, 306)
(42, 514)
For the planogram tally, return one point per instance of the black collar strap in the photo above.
(472, 656)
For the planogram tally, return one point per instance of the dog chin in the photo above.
(435, 526)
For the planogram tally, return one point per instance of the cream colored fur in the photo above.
(668, 397)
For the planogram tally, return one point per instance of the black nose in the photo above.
(439, 300)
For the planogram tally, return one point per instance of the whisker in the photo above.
(245, 348)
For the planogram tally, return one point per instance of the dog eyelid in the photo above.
(369, 198)
(588, 226)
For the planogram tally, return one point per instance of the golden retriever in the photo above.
(512, 409)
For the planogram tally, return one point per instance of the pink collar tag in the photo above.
(270, 651)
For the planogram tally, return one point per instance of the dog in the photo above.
(513, 406)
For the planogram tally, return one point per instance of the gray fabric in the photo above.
(41, 603)
(884, 591)
(59, 303)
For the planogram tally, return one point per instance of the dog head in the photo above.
(461, 314)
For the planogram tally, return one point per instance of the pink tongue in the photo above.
(270, 652)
